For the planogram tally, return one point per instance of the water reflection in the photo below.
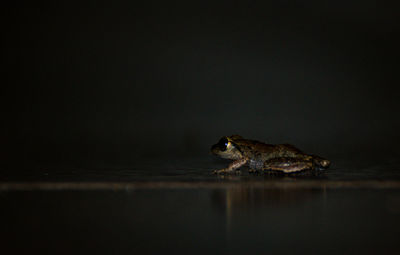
(247, 201)
(250, 198)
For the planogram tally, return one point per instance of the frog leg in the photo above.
(232, 166)
(288, 165)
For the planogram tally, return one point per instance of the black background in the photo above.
(110, 82)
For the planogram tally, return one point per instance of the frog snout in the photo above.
(214, 149)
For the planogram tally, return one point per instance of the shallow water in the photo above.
(198, 169)
(178, 206)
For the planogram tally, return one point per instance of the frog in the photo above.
(259, 156)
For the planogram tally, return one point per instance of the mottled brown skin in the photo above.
(260, 156)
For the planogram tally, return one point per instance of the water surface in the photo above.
(178, 206)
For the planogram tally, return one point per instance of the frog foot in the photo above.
(235, 165)
(224, 171)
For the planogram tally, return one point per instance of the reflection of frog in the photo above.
(267, 157)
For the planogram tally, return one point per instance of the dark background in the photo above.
(87, 82)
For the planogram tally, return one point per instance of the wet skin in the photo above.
(260, 156)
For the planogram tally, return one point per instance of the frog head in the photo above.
(227, 147)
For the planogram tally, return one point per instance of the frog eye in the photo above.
(223, 144)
